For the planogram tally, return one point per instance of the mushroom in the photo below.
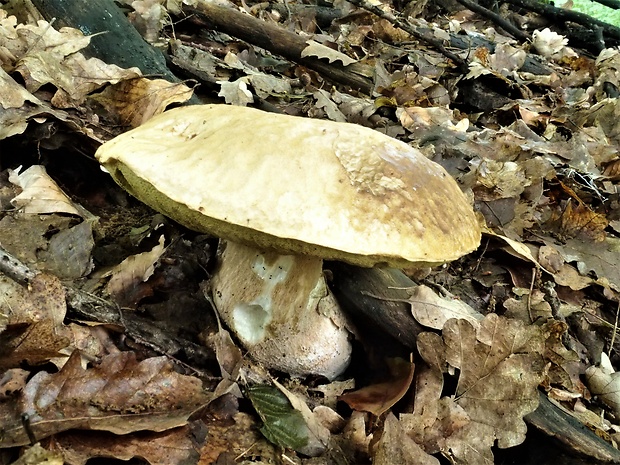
(288, 192)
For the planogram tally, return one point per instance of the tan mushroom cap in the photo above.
(295, 185)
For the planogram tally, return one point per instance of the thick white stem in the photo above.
(281, 310)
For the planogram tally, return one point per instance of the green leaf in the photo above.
(283, 425)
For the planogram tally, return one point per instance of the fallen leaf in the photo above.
(236, 92)
(499, 369)
(396, 447)
(578, 220)
(282, 424)
(131, 272)
(135, 101)
(432, 310)
(34, 329)
(178, 446)
(379, 398)
(36, 454)
(604, 382)
(319, 434)
(119, 395)
(599, 258)
(40, 193)
(550, 44)
(315, 49)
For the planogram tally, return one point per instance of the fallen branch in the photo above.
(497, 19)
(279, 41)
(116, 40)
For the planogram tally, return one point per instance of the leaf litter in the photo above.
(532, 140)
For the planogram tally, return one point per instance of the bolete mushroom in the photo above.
(288, 192)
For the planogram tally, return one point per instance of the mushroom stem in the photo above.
(281, 310)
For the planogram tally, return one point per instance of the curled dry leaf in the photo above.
(612, 170)
(431, 310)
(120, 395)
(517, 248)
(175, 447)
(499, 367)
(135, 101)
(380, 397)
(40, 193)
(604, 382)
(132, 271)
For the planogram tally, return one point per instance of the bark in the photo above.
(117, 41)
(280, 41)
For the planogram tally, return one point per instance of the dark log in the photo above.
(379, 294)
(574, 436)
(117, 41)
(278, 40)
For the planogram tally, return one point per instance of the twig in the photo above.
(614, 4)
(529, 296)
(14, 269)
(497, 19)
(280, 41)
(561, 14)
(410, 29)
(613, 334)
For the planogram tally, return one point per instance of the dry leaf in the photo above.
(120, 395)
(236, 92)
(498, 362)
(500, 367)
(175, 447)
(324, 101)
(431, 310)
(579, 221)
(68, 253)
(396, 447)
(550, 44)
(505, 179)
(135, 101)
(37, 455)
(612, 170)
(520, 249)
(40, 193)
(378, 398)
(315, 49)
(34, 327)
(131, 272)
(148, 17)
(604, 382)
(600, 258)
(568, 276)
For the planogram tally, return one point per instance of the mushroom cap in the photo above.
(295, 185)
